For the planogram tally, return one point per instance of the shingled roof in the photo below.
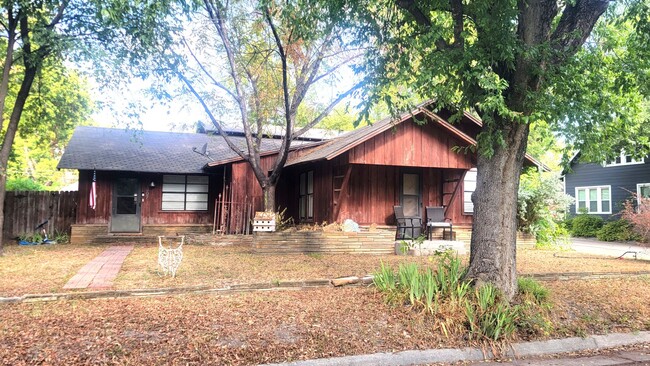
(148, 151)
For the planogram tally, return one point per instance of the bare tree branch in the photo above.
(215, 11)
(208, 74)
(286, 140)
(214, 121)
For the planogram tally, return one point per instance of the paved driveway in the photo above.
(611, 249)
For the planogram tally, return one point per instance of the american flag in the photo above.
(93, 192)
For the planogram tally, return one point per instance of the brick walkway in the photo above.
(101, 271)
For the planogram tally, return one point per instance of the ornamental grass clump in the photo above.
(482, 314)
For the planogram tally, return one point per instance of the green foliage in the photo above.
(542, 204)
(24, 184)
(441, 292)
(532, 290)
(61, 102)
(617, 230)
(586, 225)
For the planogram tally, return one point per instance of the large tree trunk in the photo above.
(494, 232)
(268, 191)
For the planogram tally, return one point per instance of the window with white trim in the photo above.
(306, 194)
(185, 193)
(595, 200)
(642, 191)
(469, 186)
(624, 159)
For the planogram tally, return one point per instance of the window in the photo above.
(185, 193)
(469, 186)
(624, 159)
(306, 201)
(410, 198)
(642, 191)
(596, 200)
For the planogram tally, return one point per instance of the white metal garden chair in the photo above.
(170, 256)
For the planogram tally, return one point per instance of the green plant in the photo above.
(618, 230)
(531, 289)
(384, 279)
(541, 205)
(61, 237)
(586, 225)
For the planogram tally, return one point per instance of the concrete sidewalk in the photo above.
(610, 249)
(518, 350)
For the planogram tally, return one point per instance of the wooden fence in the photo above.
(24, 210)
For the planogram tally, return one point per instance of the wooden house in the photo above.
(148, 183)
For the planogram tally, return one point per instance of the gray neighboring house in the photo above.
(602, 188)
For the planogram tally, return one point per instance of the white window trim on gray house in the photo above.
(638, 192)
(623, 159)
(599, 199)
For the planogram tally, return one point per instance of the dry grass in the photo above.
(43, 268)
(47, 268)
(254, 328)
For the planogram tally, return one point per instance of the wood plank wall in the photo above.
(412, 145)
(24, 210)
(151, 207)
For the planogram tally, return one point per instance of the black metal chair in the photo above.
(436, 219)
(407, 227)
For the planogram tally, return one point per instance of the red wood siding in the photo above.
(372, 192)
(245, 187)
(412, 145)
(151, 207)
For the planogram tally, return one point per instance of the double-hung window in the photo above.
(185, 193)
(595, 200)
(306, 193)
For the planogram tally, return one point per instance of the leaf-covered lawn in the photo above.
(47, 268)
(41, 269)
(274, 326)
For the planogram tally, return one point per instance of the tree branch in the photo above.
(286, 140)
(417, 14)
(575, 25)
(215, 11)
(59, 15)
(209, 75)
(214, 121)
(327, 110)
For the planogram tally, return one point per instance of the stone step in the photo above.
(121, 239)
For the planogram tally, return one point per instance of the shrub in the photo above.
(639, 216)
(541, 205)
(619, 230)
(586, 225)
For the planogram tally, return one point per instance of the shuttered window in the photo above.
(185, 193)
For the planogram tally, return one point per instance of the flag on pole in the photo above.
(92, 201)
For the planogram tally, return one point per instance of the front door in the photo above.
(410, 197)
(125, 217)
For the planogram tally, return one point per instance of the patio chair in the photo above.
(436, 219)
(407, 227)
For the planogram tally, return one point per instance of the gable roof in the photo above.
(148, 151)
(346, 142)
